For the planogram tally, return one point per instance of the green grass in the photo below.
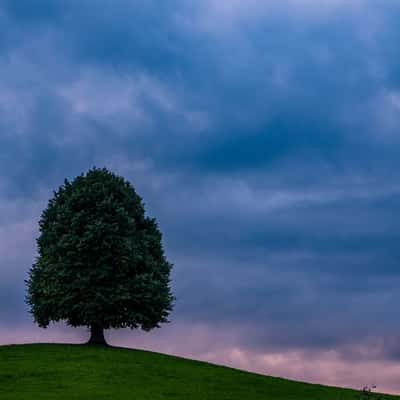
(52, 371)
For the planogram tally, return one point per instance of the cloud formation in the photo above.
(264, 138)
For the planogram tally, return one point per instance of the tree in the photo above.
(100, 260)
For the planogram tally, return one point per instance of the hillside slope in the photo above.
(52, 371)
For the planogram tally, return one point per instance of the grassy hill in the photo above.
(52, 371)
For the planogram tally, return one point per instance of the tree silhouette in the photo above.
(100, 259)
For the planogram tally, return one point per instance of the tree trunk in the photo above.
(97, 335)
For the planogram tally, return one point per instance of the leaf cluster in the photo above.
(100, 258)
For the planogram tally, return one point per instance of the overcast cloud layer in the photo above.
(263, 135)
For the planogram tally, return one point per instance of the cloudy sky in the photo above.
(264, 135)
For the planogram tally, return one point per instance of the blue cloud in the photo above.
(265, 143)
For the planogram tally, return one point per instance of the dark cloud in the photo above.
(264, 139)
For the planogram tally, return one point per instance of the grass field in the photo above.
(52, 371)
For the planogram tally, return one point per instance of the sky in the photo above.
(264, 136)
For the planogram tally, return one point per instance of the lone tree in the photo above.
(100, 260)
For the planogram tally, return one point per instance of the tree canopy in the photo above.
(100, 260)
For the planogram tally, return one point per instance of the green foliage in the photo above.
(79, 372)
(100, 259)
